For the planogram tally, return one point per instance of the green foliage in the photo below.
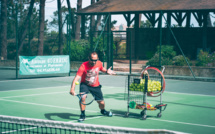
(121, 51)
(145, 24)
(149, 54)
(167, 54)
(54, 22)
(79, 50)
(101, 47)
(167, 51)
(180, 61)
(155, 60)
(205, 59)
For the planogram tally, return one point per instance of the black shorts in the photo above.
(95, 91)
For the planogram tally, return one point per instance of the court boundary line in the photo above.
(190, 94)
(30, 103)
(31, 95)
(35, 88)
(99, 116)
(109, 87)
(183, 123)
(50, 87)
(22, 79)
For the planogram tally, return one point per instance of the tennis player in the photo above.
(89, 74)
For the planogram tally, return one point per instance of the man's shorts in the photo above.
(95, 91)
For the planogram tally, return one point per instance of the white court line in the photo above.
(36, 88)
(190, 81)
(106, 88)
(36, 79)
(45, 105)
(189, 94)
(183, 123)
(49, 87)
(87, 119)
(32, 95)
(12, 131)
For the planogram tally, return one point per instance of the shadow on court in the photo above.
(183, 104)
(131, 114)
(67, 116)
(118, 96)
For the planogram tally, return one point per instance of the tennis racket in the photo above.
(85, 98)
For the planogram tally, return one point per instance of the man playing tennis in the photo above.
(89, 74)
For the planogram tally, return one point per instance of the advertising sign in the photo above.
(34, 65)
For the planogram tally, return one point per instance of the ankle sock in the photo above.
(83, 112)
(103, 111)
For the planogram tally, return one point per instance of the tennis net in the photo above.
(18, 125)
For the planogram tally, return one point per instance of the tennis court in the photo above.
(190, 104)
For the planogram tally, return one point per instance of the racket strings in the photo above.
(87, 98)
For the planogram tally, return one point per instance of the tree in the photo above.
(92, 20)
(98, 22)
(60, 42)
(24, 28)
(3, 35)
(72, 20)
(78, 21)
(145, 24)
(41, 27)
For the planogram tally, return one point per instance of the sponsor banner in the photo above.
(34, 65)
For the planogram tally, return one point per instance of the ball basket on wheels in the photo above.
(151, 83)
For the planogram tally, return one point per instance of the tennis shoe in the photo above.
(107, 113)
(82, 118)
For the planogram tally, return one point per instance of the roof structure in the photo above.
(133, 6)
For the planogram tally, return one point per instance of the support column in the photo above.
(82, 26)
(204, 37)
(168, 34)
(136, 27)
(109, 43)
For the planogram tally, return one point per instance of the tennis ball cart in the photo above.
(150, 83)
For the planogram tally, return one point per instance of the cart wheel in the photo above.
(142, 113)
(126, 114)
(159, 115)
(144, 117)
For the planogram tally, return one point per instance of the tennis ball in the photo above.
(76, 83)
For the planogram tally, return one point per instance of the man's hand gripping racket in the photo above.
(85, 98)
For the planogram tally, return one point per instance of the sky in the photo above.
(51, 6)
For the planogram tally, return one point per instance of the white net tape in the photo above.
(83, 127)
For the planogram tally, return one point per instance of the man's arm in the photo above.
(109, 71)
(72, 91)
